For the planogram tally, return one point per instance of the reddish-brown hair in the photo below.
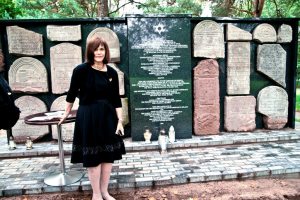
(92, 45)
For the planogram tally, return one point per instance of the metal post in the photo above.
(61, 150)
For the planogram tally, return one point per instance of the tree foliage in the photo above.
(8, 9)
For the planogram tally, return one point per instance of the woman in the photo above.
(98, 126)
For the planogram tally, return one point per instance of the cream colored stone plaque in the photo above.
(120, 77)
(208, 40)
(238, 68)
(29, 105)
(67, 130)
(236, 34)
(64, 58)
(264, 33)
(112, 41)
(24, 42)
(28, 74)
(64, 33)
(285, 34)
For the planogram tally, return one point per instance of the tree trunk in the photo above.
(258, 7)
(102, 8)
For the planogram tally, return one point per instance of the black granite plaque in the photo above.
(160, 75)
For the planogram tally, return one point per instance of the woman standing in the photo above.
(98, 126)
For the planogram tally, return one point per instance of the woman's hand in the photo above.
(63, 118)
(120, 129)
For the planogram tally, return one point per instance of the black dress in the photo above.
(94, 139)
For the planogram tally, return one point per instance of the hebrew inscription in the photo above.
(238, 68)
(29, 105)
(24, 42)
(285, 34)
(67, 129)
(64, 33)
(264, 33)
(112, 41)
(63, 58)
(240, 113)
(208, 40)
(28, 75)
(206, 98)
(272, 101)
(271, 61)
(236, 34)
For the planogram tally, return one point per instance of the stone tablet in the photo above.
(63, 58)
(1, 60)
(236, 34)
(28, 74)
(206, 98)
(272, 101)
(120, 77)
(238, 68)
(239, 113)
(29, 105)
(285, 34)
(271, 61)
(264, 33)
(125, 115)
(24, 42)
(64, 33)
(112, 40)
(208, 40)
(67, 130)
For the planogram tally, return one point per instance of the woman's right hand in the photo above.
(63, 118)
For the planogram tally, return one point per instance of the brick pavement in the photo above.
(207, 158)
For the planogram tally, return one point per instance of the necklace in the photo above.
(99, 68)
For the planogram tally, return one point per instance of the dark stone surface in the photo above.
(160, 75)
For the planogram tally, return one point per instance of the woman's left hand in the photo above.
(120, 129)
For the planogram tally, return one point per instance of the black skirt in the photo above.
(94, 140)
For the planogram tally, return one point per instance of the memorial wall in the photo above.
(200, 75)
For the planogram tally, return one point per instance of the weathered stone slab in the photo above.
(285, 34)
(208, 40)
(63, 58)
(120, 77)
(271, 61)
(238, 68)
(1, 60)
(112, 40)
(64, 33)
(239, 113)
(67, 130)
(125, 115)
(264, 33)
(206, 98)
(24, 42)
(236, 34)
(28, 74)
(272, 101)
(29, 105)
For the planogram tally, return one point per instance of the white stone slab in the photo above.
(64, 33)
(285, 34)
(28, 74)
(208, 40)
(264, 33)
(237, 34)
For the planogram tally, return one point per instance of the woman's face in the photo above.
(99, 54)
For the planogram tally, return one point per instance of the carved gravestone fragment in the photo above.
(24, 42)
(125, 111)
(63, 58)
(28, 74)
(240, 113)
(271, 61)
(206, 98)
(112, 41)
(64, 33)
(29, 105)
(120, 77)
(67, 130)
(1, 60)
(285, 34)
(238, 68)
(236, 34)
(264, 33)
(272, 102)
(208, 40)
